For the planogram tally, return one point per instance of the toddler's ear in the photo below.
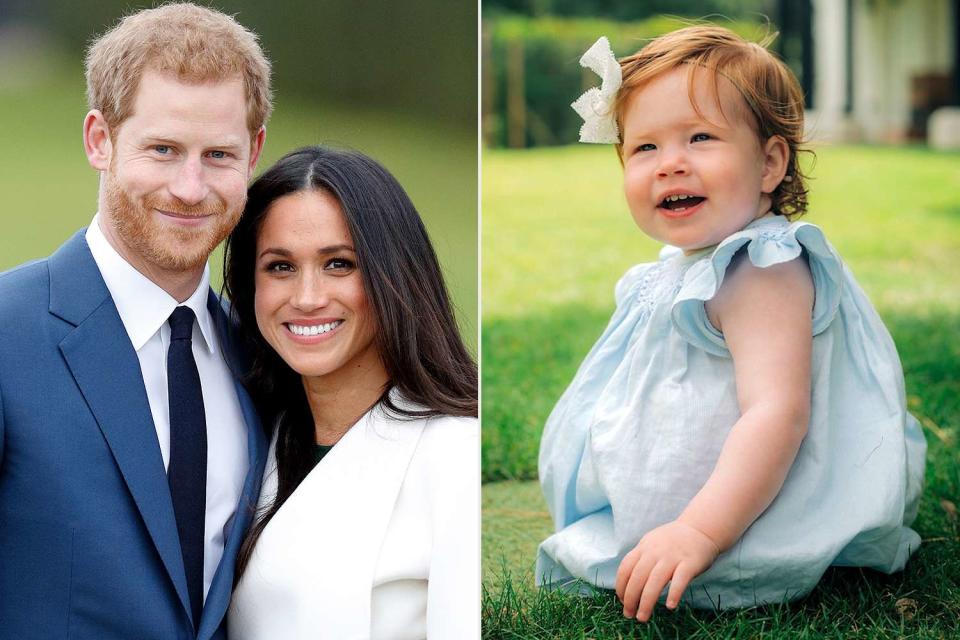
(776, 155)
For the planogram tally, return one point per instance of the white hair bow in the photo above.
(595, 106)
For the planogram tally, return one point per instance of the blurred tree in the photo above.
(531, 75)
(627, 10)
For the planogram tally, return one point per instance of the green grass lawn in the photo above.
(50, 191)
(557, 236)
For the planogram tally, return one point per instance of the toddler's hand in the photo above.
(674, 553)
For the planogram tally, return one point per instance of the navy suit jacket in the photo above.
(88, 541)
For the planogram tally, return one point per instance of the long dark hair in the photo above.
(416, 333)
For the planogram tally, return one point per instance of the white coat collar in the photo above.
(334, 525)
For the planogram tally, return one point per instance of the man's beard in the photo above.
(167, 246)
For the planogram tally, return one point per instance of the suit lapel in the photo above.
(107, 371)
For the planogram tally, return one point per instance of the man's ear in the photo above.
(96, 140)
(256, 147)
(776, 156)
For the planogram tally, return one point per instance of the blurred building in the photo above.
(882, 67)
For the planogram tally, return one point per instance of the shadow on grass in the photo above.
(528, 361)
(847, 603)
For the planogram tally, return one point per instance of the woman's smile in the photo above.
(312, 332)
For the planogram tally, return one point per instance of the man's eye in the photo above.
(700, 137)
(162, 149)
(218, 155)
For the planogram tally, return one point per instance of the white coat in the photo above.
(381, 540)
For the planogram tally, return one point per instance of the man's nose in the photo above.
(189, 184)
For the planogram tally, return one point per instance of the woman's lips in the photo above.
(313, 331)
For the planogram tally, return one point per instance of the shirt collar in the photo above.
(143, 306)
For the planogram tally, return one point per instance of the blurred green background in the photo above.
(556, 237)
(380, 77)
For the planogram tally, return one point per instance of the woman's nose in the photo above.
(310, 293)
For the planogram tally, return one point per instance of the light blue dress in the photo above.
(639, 430)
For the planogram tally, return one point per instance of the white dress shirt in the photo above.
(144, 309)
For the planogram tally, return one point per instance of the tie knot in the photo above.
(181, 323)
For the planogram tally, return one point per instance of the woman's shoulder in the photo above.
(451, 433)
(449, 442)
(446, 460)
(436, 428)
(466, 425)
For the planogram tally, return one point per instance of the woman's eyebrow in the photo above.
(335, 248)
(286, 253)
(276, 250)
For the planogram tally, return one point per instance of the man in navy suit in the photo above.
(130, 455)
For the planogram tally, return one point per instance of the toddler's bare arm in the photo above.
(765, 316)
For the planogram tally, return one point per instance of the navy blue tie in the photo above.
(187, 471)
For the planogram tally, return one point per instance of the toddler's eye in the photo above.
(700, 137)
(649, 146)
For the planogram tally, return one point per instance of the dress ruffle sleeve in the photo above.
(765, 245)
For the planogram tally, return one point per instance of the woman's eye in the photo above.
(339, 264)
(279, 267)
(700, 137)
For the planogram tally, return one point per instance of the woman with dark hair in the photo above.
(368, 522)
